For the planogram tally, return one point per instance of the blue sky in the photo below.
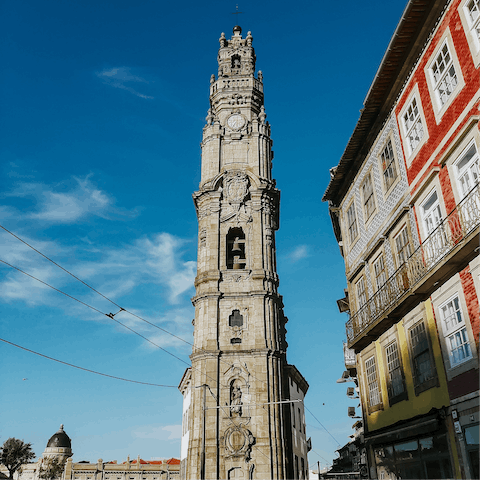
(103, 105)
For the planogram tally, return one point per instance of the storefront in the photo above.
(417, 448)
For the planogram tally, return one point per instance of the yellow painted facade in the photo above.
(414, 405)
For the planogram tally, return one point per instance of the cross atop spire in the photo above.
(237, 13)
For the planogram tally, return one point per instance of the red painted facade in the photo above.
(444, 132)
(450, 128)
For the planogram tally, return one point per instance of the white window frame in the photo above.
(440, 104)
(435, 243)
(372, 380)
(472, 28)
(432, 215)
(455, 330)
(470, 169)
(412, 150)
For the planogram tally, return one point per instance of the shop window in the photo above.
(472, 441)
(424, 457)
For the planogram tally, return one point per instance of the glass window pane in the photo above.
(472, 435)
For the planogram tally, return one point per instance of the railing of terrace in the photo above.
(460, 222)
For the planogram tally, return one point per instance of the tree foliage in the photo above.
(51, 469)
(15, 452)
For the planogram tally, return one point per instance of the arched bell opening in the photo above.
(236, 258)
(236, 61)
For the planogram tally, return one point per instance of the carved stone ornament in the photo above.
(238, 442)
(230, 277)
(235, 191)
(237, 187)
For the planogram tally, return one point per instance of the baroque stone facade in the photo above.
(59, 446)
(238, 417)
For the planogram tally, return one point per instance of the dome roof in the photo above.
(60, 440)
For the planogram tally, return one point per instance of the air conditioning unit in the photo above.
(351, 412)
(351, 391)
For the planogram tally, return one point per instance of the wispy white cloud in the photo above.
(123, 78)
(68, 204)
(300, 252)
(150, 271)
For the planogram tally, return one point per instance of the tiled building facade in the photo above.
(405, 207)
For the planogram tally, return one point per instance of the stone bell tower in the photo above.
(239, 416)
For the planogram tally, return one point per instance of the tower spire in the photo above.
(241, 427)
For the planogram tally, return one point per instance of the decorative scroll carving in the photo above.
(239, 442)
(236, 189)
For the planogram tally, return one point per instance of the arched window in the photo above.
(236, 259)
(236, 61)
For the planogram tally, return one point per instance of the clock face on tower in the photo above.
(236, 121)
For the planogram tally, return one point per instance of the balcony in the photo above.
(446, 251)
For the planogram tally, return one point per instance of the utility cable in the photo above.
(323, 426)
(109, 315)
(85, 369)
(108, 299)
(112, 316)
(59, 266)
(323, 458)
(227, 417)
(53, 288)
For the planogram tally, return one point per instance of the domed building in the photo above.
(60, 446)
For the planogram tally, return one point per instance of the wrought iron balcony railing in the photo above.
(459, 224)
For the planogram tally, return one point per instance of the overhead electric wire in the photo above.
(99, 293)
(111, 315)
(323, 458)
(50, 286)
(85, 369)
(106, 298)
(59, 266)
(323, 426)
